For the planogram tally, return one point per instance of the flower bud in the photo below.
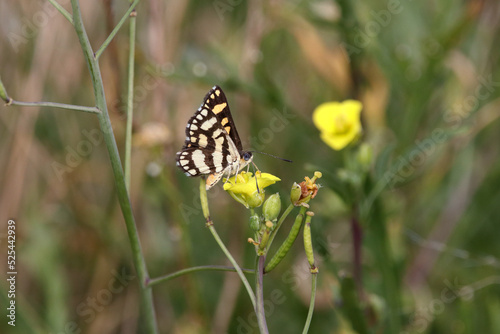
(364, 156)
(256, 199)
(272, 207)
(295, 193)
(255, 223)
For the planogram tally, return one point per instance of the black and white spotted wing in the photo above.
(212, 145)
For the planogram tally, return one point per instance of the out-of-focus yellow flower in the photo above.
(243, 187)
(338, 122)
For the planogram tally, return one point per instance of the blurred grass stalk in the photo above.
(120, 182)
(130, 95)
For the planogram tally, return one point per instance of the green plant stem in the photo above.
(3, 93)
(312, 268)
(234, 263)
(259, 291)
(210, 225)
(186, 271)
(278, 225)
(121, 189)
(115, 30)
(314, 279)
(63, 11)
(287, 244)
(130, 98)
(92, 110)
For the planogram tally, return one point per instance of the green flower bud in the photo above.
(272, 207)
(295, 193)
(255, 223)
(365, 156)
(256, 199)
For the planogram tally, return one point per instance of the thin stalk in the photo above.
(308, 247)
(130, 97)
(121, 189)
(186, 271)
(3, 93)
(259, 290)
(278, 225)
(234, 263)
(115, 30)
(92, 110)
(63, 11)
(11, 102)
(314, 278)
(210, 225)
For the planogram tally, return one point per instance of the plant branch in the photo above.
(210, 225)
(259, 291)
(92, 110)
(115, 30)
(186, 271)
(314, 279)
(130, 98)
(63, 11)
(11, 102)
(308, 247)
(121, 189)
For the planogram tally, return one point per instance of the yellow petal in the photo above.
(323, 116)
(352, 109)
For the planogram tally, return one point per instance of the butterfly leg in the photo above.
(237, 171)
(257, 170)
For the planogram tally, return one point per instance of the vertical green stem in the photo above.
(121, 189)
(314, 278)
(312, 268)
(259, 291)
(130, 97)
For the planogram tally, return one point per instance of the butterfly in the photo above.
(212, 147)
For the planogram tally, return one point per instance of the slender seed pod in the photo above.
(287, 244)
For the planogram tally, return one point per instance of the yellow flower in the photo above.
(243, 187)
(338, 122)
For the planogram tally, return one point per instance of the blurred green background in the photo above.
(427, 74)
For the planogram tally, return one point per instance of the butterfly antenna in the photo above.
(255, 173)
(276, 157)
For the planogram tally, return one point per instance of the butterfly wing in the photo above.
(216, 101)
(208, 148)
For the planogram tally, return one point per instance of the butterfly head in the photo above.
(246, 158)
